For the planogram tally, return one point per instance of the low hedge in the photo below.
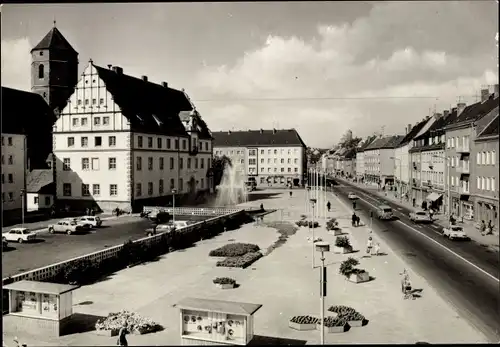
(224, 280)
(240, 262)
(305, 223)
(234, 250)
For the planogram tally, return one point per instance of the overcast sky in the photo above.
(323, 67)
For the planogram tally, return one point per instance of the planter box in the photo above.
(108, 333)
(355, 323)
(340, 329)
(337, 232)
(301, 327)
(225, 286)
(341, 250)
(359, 278)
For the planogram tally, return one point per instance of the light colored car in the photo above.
(83, 223)
(160, 228)
(352, 196)
(67, 226)
(385, 212)
(455, 232)
(420, 217)
(94, 221)
(19, 235)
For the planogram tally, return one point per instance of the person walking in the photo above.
(431, 213)
(328, 206)
(122, 336)
(490, 228)
(354, 205)
(369, 246)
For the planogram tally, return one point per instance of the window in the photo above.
(268, 169)
(138, 189)
(195, 163)
(97, 141)
(67, 189)
(160, 187)
(295, 161)
(282, 169)
(11, 178)
(41, 71)
(71, 141)
(275, 151)
(139, 164)
(94, 101)
(252, 161)
(113, 189)
(169, 142)
(289, 169)
(478, 158)
(296, 169)
(97, 120)
(79, 102)
(101, 101)
(84, 121)
(275, 169)
(85, 164)
(488, 181)
(161, 163)
(487, 160)
(150, 142)
(176, 144)
(75, 122)
(181, 163)
(95, 164)
(452, 144)
(184, 144)
(96, 189)
(11, 196)
(86, 101)
(493, 158)
(452, 181)
(202, 163)
(282, 161)
(180, 185)
(66, 164)
(493, 184)
(139, 141)
(202, 183)
(206, 146)
(112, 164)
(483, 158)
(150, 163)
(289, 161)
(85, 190)
(261, 169)
(150, 188)
(112, 141)
(171, 163)
(483, 183)
(189, 163)
(172, 184)
(85, 141)
(47, 201)
(158, 142)
(208, 162)
(252, 152)
(105, 120)
(9, 141)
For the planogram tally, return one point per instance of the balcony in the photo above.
(427, 183)
(193, 150)
(464, 191)
(463, 169)
(462, 149)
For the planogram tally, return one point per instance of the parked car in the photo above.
(384, 212)
(455, 232)
(352, 196)
(83, 223)
(160, 228)
(18, 235)
(66, 226)
(420, 217)
(94, 221)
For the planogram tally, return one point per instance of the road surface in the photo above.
(464, 273)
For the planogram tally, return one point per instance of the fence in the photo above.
(193, 211)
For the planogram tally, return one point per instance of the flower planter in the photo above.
(106, 332)
(225, 285)
(355, 323)
(339, 329)
(301, 327)
(337, 232)
(341, 250)
(359, 278)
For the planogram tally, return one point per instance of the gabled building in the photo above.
(271, 157)
(360, 162)
(379, 160)
(40, 190)
(126, 142)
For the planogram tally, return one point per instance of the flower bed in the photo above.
(241, 261)
(224, 282)
(234, 250)
(136, 324)
(342, 245)
(303, 323)
(353, 317)
(333, 324)
(305, 223)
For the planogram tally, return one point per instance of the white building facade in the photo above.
(121, 143)
(14, 165)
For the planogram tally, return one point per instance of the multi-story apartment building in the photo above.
(379, 160)
(484, 164)
(427, 158)
(360, 157)
(125, 142)
(273, 157)
(460, 135)
(402, 156)
(14, 164)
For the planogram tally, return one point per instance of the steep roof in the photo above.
(148, 106)
(413, 132)
(250, 138)
(385, 142)
(193, 120)
(475, 111)
(369, 140)
(54, 40)
(38, 179)
(491, 129)
(438, 125)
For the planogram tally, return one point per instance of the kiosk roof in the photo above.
(41, 287)
(230, 307)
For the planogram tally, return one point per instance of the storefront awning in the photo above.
(433, 197)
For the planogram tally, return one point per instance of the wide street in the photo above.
(463, 272)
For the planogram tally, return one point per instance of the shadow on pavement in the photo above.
(262, 196)
(259, 340)
(81, 323)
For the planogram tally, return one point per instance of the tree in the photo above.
(348, 141)
(218, 165)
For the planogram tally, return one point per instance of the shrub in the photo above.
(346, 312)
(224, 280)
(347, 267)
(80, 272)
(135, 322)
(241, 261)
(343, 241)
(304, 320)
(234, 250)
(332, 224)
(305, 223)
(330, 322)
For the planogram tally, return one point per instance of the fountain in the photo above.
(232, 189)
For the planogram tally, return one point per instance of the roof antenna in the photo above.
(54, 21)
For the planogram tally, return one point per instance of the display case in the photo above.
(39, 306)
(215, 322)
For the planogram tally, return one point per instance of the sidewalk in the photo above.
(491, 241)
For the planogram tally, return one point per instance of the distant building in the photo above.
(360, 157)
(379, 160)
(273, 157)
(40, 190)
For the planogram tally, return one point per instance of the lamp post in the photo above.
(448, 184)
(322, 247)
(313, 202)
(173, 205)
(308, 192)
(22, 206)
(400, 178)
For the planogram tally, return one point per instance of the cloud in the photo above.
(405, 51)
(15, 60)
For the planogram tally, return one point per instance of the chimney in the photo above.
(485, 95)
(164, 84)
(408, 129)
(109, 66)
(460, 108)
(262, 131)
(144, 78)
(495, 90)
(118, 70)
(274, 131)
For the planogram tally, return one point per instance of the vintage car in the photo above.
(454, 232)
(384, 212)
(420, 217)
(67, 226)
(18, 235)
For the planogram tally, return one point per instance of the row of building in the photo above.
(107, 140)
(448, 160)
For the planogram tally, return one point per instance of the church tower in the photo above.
(54, 69)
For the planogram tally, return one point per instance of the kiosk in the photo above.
(39, 307)
(215, 322)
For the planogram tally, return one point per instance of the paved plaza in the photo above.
(283, 281)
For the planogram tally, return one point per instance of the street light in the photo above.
(400, 178)
(322, 247)
(173, 205)
(313, 202)
(308, 194)
(22, 206)
(448, 179)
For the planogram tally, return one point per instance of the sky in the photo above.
(319, 67)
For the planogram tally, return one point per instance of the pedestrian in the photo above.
(122, 336)
(354, 205)
(290, 193)
(413, 202)
(377, 249)
(369, 246)
(452, 220)
(431, 213)
(328, 206)
(354, 219)
(490, 227)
